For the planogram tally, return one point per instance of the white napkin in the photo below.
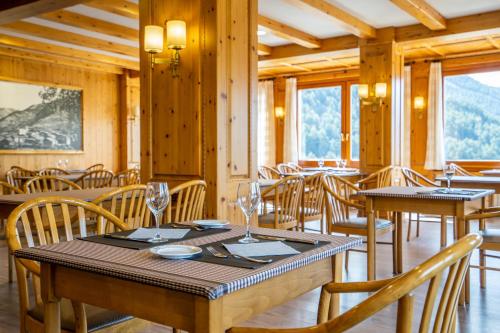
(148, 233)
(261, 249)
(425, 190)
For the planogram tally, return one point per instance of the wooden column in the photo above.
(129, 102)
(279, 101)
(203, 123)
(381, 60)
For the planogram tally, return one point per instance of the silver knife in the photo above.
(120, 237)
(294, 240)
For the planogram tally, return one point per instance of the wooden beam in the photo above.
(14, 10)
(423, 12)
(72, 38)
(52, 49)
(351, 23)
(89, 23)
(263, 50)
(118, 7)
(493, 42)
(286, 32)
(54, 59)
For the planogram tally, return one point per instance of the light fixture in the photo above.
(261, 32)
(176, 40)
(279, 112)
(380, 89)
(375, 97)
(418, 105)
(363, 91)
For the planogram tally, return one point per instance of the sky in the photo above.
(18, 96)
(490, 78)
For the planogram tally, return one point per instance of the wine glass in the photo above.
(343, 164)
(59, 164)
(337, 161)
(248, 200)
(157, 198)
(321, 163)
(448, 171)
(66, 164)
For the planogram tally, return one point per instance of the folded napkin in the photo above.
(148, 233)
(261, 249)
(425, 190)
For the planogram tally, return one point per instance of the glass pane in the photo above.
(472, 116)
(320, 123)
(354, 123)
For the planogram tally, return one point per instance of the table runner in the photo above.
(199, 278)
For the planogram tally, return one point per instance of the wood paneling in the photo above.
(101, 113)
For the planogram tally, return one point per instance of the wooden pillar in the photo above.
(129, 104)
(381, 60)
(279, 101)
(203, 123)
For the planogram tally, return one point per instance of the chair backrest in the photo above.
(96, 179)
(459, 171)
(6, 188)
(295, 166)
(43, 221)
(49, 184)
(186, 201)
(52, 172)
(285, 169)
(338, 202)
(128, 203)
(15, 172)
(266, 172)
(453, 260)
(312, 198)
(287, 198)
(95, 167)
(378, 179)
(414, 179)
(127, 177)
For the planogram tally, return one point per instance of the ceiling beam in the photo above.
(14, 10)
(423, 12)
(493, 42)
(286, 32)
(263, 50)
(72, 38)
(351, 23)
(27, 44)
(118, 7)
(78, 20)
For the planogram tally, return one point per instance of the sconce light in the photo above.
(419, 104)
(176, 40)
(279, 112)
(375, 97)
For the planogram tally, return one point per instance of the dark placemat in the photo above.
(454, 191)
(242, 263)
(136, 245)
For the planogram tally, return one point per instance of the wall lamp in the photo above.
(279, 112)
(419, 105)
(176, 40)
(373, 97)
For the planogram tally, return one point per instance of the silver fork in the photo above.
(178, 226)
(218, 254)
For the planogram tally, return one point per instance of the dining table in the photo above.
(490, 172)
(423, 200)
(203, 294)
(73, 176)
(475, 182)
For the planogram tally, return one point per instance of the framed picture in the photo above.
(36, 118)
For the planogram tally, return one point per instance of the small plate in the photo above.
(211, 223)
(176, 251)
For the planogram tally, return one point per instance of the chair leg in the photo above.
(321, 225)
(443, 231)
(482, 271)
(346, 262)
(409, 228)
(395, 251)
(10, 260)
(418, 225)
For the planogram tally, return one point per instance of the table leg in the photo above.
(460, 222)
(52, 309)
(444, 231)
(399, 242)
(337, 261)
(208, 318)
(371, 239)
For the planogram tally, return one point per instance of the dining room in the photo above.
(249, 166)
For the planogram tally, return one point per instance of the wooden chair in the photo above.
(96, 179)
(186, 202)
(28, 218)
(95, 167)
(286, 169)
(128, 203)
(296, 166)
(266, 172)
(311, 208)
(459, 171)
(287, 198)
(127, 177)
(49, 184)
(14, 174)
(448, 267)
(378, 179)
(340, 208)
(52, 172)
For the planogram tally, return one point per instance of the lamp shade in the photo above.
(279, 112)
(153, 39)
(363, 91)
(380, 89)
(176, 34)
(418, 103)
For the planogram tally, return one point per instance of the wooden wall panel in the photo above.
(101, 113)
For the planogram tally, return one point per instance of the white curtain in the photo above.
(291, 140)
(406, 146)
(266, 134)
(434, 156)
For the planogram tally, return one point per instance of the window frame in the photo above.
(345, 148)
(472, 165)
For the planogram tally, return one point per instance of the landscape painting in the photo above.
(40, 118)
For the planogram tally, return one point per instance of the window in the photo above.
(472, 116)
(329, 122)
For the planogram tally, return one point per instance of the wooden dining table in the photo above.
(490, 172)
(194, 296)
(423, 200)
(71, 176)
(476, 182)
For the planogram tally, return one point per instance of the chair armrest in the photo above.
(356, 287)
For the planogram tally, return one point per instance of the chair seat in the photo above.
(490, 235)
(361, 223)
(97, 318)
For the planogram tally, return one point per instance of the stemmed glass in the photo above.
(321, 163)
(448, 171)
(248, 200)
(343, 164)
(337, 161)
(157, 198)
